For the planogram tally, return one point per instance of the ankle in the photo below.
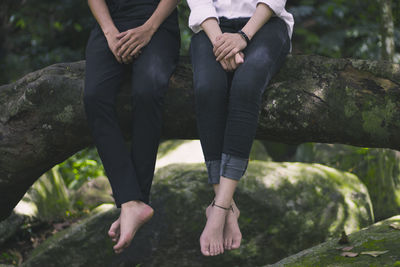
(133, 204)
(227, 207)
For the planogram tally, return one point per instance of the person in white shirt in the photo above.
(237, 47)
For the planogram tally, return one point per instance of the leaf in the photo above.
(395, 226)
(344, 239)
(349, 254)
(374, 253)
(347, 248)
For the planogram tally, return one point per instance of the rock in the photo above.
(377, 168)
(93, 193)
(377, 237)
(285, 207)
(189, 151)
(10, 226)
(258, 152)
(83, 244)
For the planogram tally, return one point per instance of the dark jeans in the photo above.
(228, 104)
(130, 172)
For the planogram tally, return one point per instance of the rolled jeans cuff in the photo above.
(213, 168)
(233, 167)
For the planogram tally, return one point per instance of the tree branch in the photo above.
(313, 98)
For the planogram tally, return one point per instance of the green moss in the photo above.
(372, 244)
(350, 108)
(376, 237)
(66, 116)
(377, 119)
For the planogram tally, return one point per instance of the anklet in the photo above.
(213, 204)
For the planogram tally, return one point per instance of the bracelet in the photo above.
(244, 35)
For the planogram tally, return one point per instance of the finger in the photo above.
(118, 58)
(126, 46)
(137, 54)
(130, 59)
(122, 34)
(136, 51)
(233, 63)
(224, 52)
(218, 49)
(228, 65)
(232, 53)
(218, 43)
(128, 51)
(125, 60)
(238, 59)
(124, 39)
(223, 64)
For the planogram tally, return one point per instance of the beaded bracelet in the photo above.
(244, 35)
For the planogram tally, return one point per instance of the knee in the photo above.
(150, 84)
(246, 94)
(209, 89)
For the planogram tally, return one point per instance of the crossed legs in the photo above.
(227, 108)
(130, 173)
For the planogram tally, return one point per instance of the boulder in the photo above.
(379, 237)
(377, 168)
(93, 193)
(285, 208)
(10, 226)
(83, 244)
(259, 152)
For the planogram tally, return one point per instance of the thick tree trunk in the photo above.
(387, 30)
(42, 121)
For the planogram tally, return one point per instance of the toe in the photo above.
(217, 249)
(122, 242)
(205, 248)
(221, 248)
(229, 244)
(236, 243)
(114, 229)
(212, 250)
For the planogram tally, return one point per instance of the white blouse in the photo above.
(200, 10)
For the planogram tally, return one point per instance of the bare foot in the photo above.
(211, 240)
(114, 232)
(133, 215)
(232, 235)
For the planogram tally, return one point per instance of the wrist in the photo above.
(244, 36)
(110, 31)
(151, 26)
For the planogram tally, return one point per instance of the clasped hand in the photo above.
(228, 50)
(127, 45)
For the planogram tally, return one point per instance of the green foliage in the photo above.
(186, 32)
(341, 28)
(50, 196)
(81, 167)
(40, 33)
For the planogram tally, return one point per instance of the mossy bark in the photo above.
(313, 98)
(378, 237)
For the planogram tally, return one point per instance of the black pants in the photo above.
(130, 172)
(228, 104)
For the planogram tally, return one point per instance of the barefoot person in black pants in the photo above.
(141, 38)
(236, 49)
